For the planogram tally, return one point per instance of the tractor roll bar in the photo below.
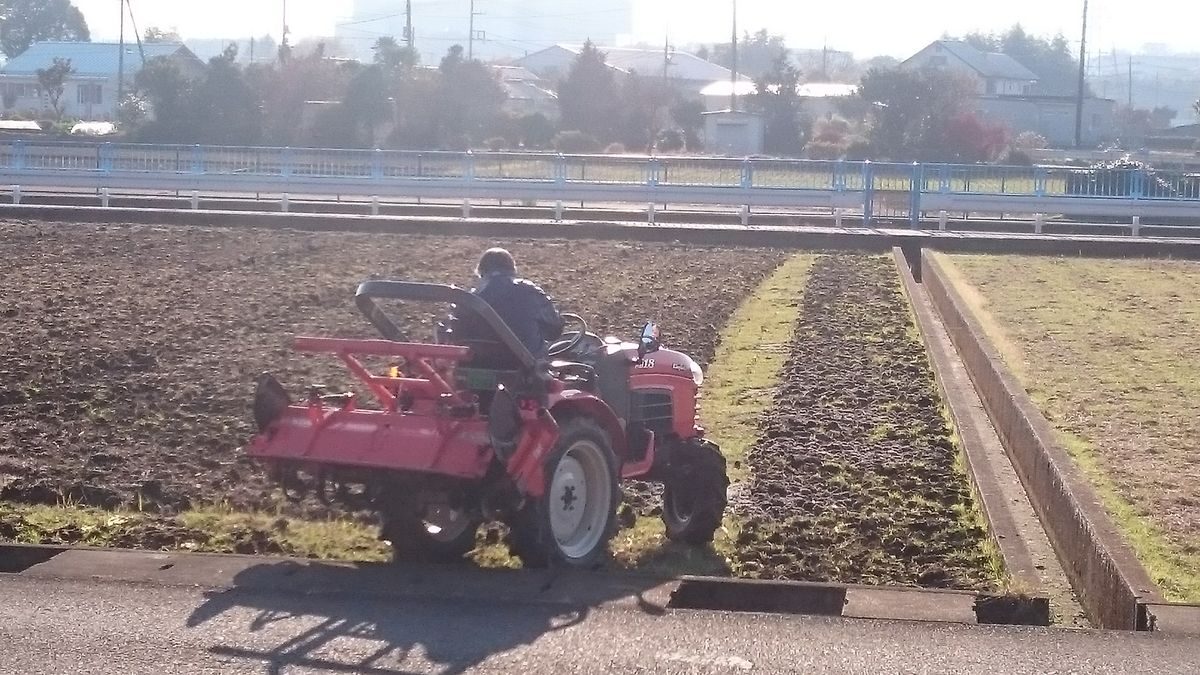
(368, 291)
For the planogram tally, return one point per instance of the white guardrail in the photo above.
(858, 189)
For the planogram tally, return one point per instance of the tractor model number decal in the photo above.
(645, 363)
(679, 366)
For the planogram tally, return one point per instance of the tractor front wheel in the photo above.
(572, 523)
(695, 494)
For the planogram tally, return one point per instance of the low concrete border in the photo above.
(265, 573)
(795, 237)
(1111, 583)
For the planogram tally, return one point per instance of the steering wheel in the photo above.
(571, 339)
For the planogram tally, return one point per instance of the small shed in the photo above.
(735, 133)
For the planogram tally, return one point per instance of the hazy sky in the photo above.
(866, 27)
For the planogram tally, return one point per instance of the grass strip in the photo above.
(738, 387)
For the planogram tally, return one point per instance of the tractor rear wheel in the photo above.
(695, 494)
(443, 537)
(572, 523)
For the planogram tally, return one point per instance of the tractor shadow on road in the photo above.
(397, 619)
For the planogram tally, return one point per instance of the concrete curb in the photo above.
(879, 240)
(246, 575)
(1112, 585)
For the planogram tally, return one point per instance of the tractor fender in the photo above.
(572, 403)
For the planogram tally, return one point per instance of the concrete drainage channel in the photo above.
(1112, 587)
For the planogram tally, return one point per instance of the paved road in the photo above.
(80, 626)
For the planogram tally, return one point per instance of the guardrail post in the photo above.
(560, 169)
(104, 197)
(374, 205)
(868, 177)
(16, 194)
(943, 219)
(916, 184)
(652, 172)
(377, 164)
(285, 203)
(650, 213)
(944, 178)
(837, 217)
(195, 200)
(18, 159)
(285, 162)
(106, 157)
(466, 207)
(1040, 174)
(197, 159)
(747, 174)
(839, 176)
(1137, 187)
(1039, 221)
(1137, 226)
(469, 165)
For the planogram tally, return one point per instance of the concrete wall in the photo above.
(1110, 582)
(1052, 117)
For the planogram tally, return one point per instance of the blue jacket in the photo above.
(523, 306)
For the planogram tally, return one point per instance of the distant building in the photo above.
(1005, 95)
(91, 90)
(817, 99)
(996, 74)
(690, 73)
(504, 28)
(527, 93)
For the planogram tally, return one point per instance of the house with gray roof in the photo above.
(1006, 94)
(996, 74)
(91, 89)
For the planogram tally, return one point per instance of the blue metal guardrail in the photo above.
(906, 184)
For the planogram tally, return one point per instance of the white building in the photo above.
(91, 89)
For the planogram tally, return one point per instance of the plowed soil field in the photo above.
(128, 353)
(854, 475)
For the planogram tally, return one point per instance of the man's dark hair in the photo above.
(496, 261)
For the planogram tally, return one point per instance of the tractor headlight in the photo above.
(697, 371)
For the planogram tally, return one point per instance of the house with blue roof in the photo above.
(91, 89)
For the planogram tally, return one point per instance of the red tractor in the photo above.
(482, 431)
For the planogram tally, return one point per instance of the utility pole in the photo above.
(734, 60)
(408, 31)
(471, 39)
(1082, 80)
(284, 41)
(121, 58)
(1131, 81)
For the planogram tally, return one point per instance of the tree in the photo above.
(588, 96)
(777, 98)
(908, 109)
(757, 54)
(170, 96)
(393, 57)
(366, 105)
(227, 109)
(1050, 59)
(469, 100)
(24, 22)
(52, 82)
(156, 34)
